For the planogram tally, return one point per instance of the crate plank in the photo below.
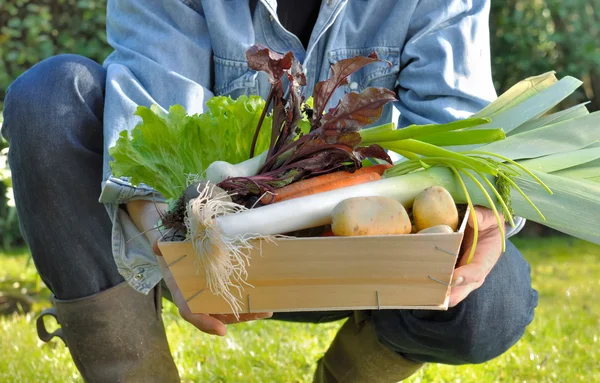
(332, 273)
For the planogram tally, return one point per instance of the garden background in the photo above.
(528, 37)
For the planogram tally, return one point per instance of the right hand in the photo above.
(145, 215)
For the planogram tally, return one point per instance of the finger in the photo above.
(154, 235)
(155, 247)
(231, 319)
(204, 323)
(485, 218)
(473, 273)
(487, 251)
(466, 279)
(459, 293)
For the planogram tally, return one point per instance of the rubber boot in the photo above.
(116, 335)
(357, 356)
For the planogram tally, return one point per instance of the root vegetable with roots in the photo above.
(510, 157)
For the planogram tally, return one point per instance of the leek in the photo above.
(518, 93)
(383, 133)
(510, 157)
(563, 115)
(464, 137)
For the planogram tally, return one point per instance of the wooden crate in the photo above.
(331, 273)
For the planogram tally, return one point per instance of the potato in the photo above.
(435, 206)
(439, 229)
(375, 215)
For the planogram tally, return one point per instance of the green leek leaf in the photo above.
(565, 136)
(587, 170)
(561, 161)
(464, 137)
(563, 115)
(518, 93)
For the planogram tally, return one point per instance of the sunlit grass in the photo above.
(560, 346)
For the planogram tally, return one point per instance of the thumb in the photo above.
(485, 218)
(146, 215)
(156, 249)
(154, 237)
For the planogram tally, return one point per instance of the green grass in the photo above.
(560, 346)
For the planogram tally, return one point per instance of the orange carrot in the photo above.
(379, 168)
(351, 180)
(315, 182)
(308, 183)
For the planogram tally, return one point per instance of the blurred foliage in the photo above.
(536, 36)
(32, 30)
(528, 37)
(10, 234)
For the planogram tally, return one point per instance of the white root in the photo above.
(224, 259)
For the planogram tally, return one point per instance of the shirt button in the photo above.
(138, 277)
(271, 17)
(354, 85)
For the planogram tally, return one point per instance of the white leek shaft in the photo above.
(220, 170)
(315, 210)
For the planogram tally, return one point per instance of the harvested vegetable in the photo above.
(510, 157)
(219, 171)
(379, 169)
(439, 229)
(350, 180)
(474, 177)
(332, 142)
(434, 206)
(325, 182)
(369, 216)
(167, 151)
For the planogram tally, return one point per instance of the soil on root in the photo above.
(174, 221)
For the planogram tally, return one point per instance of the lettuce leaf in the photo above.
(164, 149)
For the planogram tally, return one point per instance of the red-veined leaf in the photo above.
(340, 71)
(261, 58)
(357, 110)
(374, 151)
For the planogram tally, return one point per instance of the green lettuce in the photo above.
(165, 149)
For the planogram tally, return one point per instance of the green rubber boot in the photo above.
(116, 335)
(357, 356)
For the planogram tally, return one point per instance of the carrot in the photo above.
(315, 182)
(351, 180)
(380, 168)
(308, 183)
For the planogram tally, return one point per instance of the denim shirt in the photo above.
(184, 52)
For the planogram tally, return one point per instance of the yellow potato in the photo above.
(439, 229)
(435, 206)
(375, 215)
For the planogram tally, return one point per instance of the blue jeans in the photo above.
(53, 121)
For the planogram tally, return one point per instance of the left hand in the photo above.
(145, 215)
(468, 278)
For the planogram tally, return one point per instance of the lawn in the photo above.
(560, 346)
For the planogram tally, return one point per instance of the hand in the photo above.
(468, 278)
(145, 215)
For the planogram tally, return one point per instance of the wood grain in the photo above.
(332, 273)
